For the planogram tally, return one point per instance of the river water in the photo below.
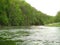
(34, 35)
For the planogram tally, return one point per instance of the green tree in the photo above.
(57, 18)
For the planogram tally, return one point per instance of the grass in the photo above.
(54, 24)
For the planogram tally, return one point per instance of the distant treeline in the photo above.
(57, 17)
(20, 13)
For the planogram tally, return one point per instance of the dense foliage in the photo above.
(20, 13)
(57, 17)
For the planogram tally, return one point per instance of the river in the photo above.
(34, 35)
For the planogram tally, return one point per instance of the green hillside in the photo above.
(20, 13)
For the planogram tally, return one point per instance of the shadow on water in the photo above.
(12, 37)
(14, 27)
(4, 41)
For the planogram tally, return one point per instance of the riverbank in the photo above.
(13, 27)
(30, 27)
(54, 24)
(27, 27)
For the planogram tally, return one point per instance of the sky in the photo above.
(49, 7)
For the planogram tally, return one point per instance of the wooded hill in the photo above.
(20, 13)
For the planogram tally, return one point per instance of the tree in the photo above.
(57, 18)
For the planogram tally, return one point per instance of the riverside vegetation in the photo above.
(20, 13)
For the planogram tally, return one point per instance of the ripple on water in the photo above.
(39, 35)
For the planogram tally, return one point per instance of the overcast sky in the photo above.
(50, 7)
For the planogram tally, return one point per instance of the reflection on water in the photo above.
(35, 35)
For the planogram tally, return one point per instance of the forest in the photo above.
(20, 13)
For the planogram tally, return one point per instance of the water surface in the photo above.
(34, 35)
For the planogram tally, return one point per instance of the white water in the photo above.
(37, 35)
